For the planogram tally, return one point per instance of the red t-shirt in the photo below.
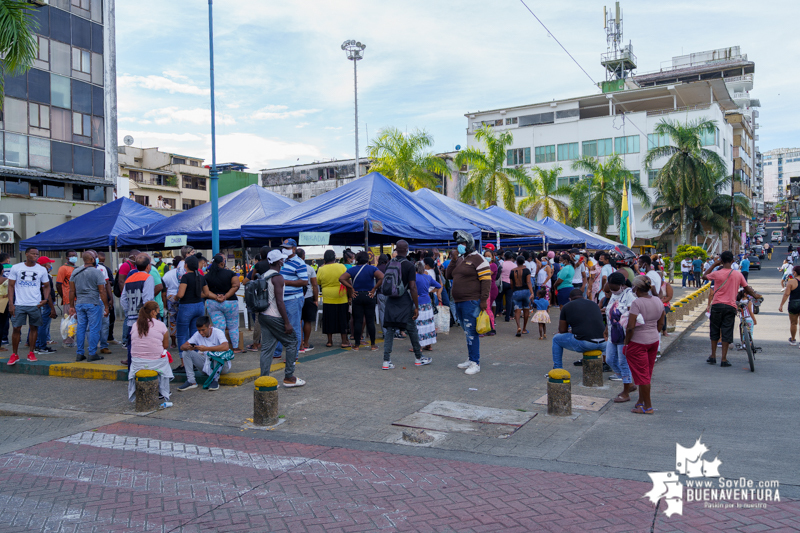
(725, 292)
(125, 269)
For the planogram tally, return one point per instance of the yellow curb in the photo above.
(240, 378)
(86, 371)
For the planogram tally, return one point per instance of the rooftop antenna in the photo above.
(618, 60)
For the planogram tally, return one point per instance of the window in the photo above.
(61, 122)
(81, 32)
(598, 148)
(511, 121)
(546, 154)
(194, 163)
(136, 176)
(60, 94)
(53, 191)
(626, 145)
(143, 200)
(42, 18)
(651, 177)
(567, 152)
(81, 97)
(188, 204)
(99, 163)
(97, 101)
(519, 190)
(40, 154)
(15, 115)
(43, 49)
(568, 180)
(39, 86)
(61, 157)
(169, 202)
(82, 124)
(655, 141)
(708, 138)
(82, 160)
(83, 4)
(297, 196)
(97, 69)
(518, 156)
(60, 27)
(60, 60)
(16, 86)
(194, 182)
(88, 193)
(636, 175)
(98, 132)
(81, 61)
(178, 161)
(17, 187)
(16, 150)
(39, 116)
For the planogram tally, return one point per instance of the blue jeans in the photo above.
(90, 317)
(521, 299)
(684, 277)
(187, 320)
(467, 314)
(104, 331)
(452, 305)
(618, 362)
(568, 341)
(44, 329)
(294, 310)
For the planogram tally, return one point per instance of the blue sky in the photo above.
(284, 89)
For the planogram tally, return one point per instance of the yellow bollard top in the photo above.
(146, 375)
(266, 383)
(558, 375)
(593, 353)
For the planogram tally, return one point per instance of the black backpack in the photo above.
(116, 289)
(256, 292)
(393, 286)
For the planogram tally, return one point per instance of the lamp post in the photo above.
(355, 52)
(213, 174)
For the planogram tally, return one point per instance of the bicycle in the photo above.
(746, 336)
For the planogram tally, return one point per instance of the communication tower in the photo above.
(619, 60)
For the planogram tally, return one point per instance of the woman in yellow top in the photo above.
(335, 317)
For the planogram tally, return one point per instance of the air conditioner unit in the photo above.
(6, 237)
(6, 221)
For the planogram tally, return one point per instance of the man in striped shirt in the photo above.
(295, 277)
(472, 281)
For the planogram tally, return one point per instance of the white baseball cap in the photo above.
(275, 255)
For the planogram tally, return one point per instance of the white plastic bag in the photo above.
(69, 325)
(442, 320)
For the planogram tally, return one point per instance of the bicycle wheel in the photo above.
(747, 340)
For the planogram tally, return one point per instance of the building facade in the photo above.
(555, 134)
(232, 177)
(163, 180)
(779, 165)
(58, 154)
(303, 182)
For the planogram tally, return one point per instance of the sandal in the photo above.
(347, 345)
(374, 347)
(519, 333)
(642, 410)
(540, 338)
(711, 360)
(619, 399)
(329, 345)
(724, 364)
(525, 331)
(354, 348)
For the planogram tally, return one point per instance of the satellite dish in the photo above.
(128, 140)
(458, 147)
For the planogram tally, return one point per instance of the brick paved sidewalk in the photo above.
(127, 477)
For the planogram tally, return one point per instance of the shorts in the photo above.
(794, 307)
(641, 360)
(723, 318)
(22, 311)
(309, 312)
(521, 299)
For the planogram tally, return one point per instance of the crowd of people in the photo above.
(606, 302)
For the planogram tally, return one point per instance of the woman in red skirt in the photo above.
(641, 340)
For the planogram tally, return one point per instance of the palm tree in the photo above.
(599, 197)
(488, 178)
(542, 198)
(684, 181)
(18, 46)
(402, 158)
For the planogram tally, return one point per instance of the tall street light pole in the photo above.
(213, 175)
(355, 52)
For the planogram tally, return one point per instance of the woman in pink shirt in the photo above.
(507, 266)
(149, 343)
(645, 319)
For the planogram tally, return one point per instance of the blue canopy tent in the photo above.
(590, 242)
(245, 206)
(370, 210)
(553, 236)
(96, 229)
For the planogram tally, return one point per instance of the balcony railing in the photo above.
(159, 181)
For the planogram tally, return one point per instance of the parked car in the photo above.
(777, 236)
(757, 251)
(755, 262)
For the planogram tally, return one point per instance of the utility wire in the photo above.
(559, 42)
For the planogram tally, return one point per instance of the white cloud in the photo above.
(169, 115)
(259, 152)
(302, 125)
(274, 112)
(159, 83)
(174, 74)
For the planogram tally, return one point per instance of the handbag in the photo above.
(483, 325)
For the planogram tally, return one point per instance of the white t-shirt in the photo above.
(216, 338)
(541, 277)
(531, 265)
(171, 282)
(311, 274)
(27, 283)
(655, 279)
(735, 266)
(606, 271)
(686, 265)
(102, 269)
(577, 279)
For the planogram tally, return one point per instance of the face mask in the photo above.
(73, 260)
(96, 260)
(618, 292)
(462, 249)
(488, 257)
(577, 257)
(157, 260)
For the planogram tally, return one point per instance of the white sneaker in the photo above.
(387, 365)
(473, 368)
(465, 364)
(297, 383)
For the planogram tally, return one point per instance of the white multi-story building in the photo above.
(556, 133)
(779, 165)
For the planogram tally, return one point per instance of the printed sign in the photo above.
(315, 238)
(174, 241)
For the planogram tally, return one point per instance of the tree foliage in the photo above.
(404, 159)
(18, 46)
(544, 196)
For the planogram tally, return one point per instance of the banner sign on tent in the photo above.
(315, 238)
(174, 241)
(377, 227)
